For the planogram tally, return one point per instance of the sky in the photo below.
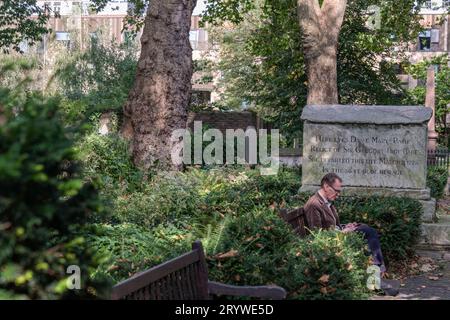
(200, 7)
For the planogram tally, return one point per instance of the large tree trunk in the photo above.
(158, 102)
(320, 27)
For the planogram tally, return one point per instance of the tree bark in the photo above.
(320, 27)
(158, 102)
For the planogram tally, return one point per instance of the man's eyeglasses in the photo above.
(335, 190)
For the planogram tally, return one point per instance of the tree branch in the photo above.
(333, 12)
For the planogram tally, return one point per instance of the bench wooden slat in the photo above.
(144, 278)
(188, 281)
(202, 271)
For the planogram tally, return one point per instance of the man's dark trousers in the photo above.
(371, 236)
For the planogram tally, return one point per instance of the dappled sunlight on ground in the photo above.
(433, 282)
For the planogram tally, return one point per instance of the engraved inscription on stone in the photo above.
(366, 155)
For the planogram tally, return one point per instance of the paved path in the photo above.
(432, 285)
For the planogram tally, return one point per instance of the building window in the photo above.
(76, 8)
(436, 5)
(57, 8)
(47, 7)
(425, 40)
(63, 37)
(434, 36)
(23, 46)
(193, 37)
(427, 4)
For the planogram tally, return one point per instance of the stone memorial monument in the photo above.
(377, 150)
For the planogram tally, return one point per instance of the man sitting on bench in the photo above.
(321, 214)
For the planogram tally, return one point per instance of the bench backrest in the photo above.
(296, 219)
(182, 278)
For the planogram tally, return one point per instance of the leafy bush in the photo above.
(129, 248)
(330, 265)
(177, 197)
(43, 203)
(165, 199)
(86, 78)
(259, 248)
(437, 180)
(397, 221)
(106, 157)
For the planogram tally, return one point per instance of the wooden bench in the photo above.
(185, 278)
(296, 219)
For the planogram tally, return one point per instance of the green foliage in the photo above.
(106, 160)
(17, 23)
(15, 71)
(417, 95)
(254, 250)
(331, 265)
(231, 210)
(259, 248)
(26, 21)
(218, 11)
(262, 66)
(397, 221)
(437, 180)
(43, 203)
(262, 63)
(150, 200)
(130, 248)
(86, 78)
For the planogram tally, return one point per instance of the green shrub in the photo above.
(257, 243)
(397, 221)
(226, 206)
(165, 199)
(88, 76)
(107, 158)
(259, 248)
(330, 265)
(129, 248)
(43, 203)
(177, 197)
(437, 180)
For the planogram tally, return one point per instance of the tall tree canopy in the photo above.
(21, 20)
(320, 23)
(157, 104)
(263, 61)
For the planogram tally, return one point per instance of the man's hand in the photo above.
(350, 227)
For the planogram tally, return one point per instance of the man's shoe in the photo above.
(390, 287)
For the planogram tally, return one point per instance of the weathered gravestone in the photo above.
(377, 150)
